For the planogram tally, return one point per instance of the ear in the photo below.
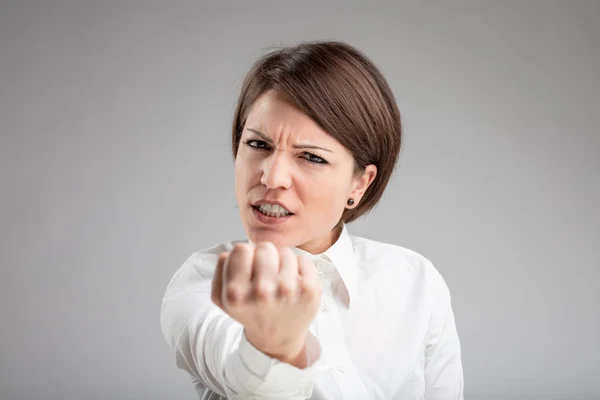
(361, 183)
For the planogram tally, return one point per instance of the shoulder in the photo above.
(397, 259)
(207, 257)
(201, 263)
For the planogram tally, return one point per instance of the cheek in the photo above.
(246, 171)
(239, 169)
(241, 175)
(325, 193)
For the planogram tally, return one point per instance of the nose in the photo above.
(276, 172)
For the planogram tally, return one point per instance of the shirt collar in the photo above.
(341, 255)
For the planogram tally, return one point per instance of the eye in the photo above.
(257, 144)
(314, 158)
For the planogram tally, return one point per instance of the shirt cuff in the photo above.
(264, 375)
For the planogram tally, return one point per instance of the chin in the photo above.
(279, 239)
(263, 235)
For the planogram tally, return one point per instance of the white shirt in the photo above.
(386, 330)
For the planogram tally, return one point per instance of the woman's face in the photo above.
(285, 158)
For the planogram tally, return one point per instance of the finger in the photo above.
(310, 285)
(236, 275)
(217, 282)
(238, 267)
(265, 269)
(288, 278)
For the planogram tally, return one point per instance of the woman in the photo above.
(302, 309)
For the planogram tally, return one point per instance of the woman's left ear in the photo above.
(361, 183)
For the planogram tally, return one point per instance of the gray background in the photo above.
(115, 167)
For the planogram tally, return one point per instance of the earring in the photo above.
(350, 202)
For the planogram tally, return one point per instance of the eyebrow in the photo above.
(296, 146)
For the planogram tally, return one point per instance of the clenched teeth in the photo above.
(273, 210)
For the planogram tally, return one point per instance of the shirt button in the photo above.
(320, 274)
(324, 308)
(320, 264)
(341, 368)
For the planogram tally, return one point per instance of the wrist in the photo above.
(293, 351)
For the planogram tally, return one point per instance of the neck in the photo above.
(319, 245)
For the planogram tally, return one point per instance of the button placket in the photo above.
(324, 307)
(335, 352)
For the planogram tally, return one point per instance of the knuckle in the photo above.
(261, 245)
(312, 290)
(233, 293)
(263, 289)
(237, 247)
(266, 247)
(239, 261)
(241, 249)
(286, 288)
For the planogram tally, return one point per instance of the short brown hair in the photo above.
(344, 93)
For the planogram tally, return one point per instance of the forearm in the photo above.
(227, 363)
(300, 353)
(212, 347)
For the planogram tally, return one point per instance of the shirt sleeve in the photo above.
(211, 346)
(443, 365)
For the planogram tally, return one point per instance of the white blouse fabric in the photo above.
(385, 326)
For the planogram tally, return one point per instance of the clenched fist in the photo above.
(273, 293)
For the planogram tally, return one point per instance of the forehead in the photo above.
(275, 115)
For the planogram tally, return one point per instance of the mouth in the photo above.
(272, 210)
(271, 214)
